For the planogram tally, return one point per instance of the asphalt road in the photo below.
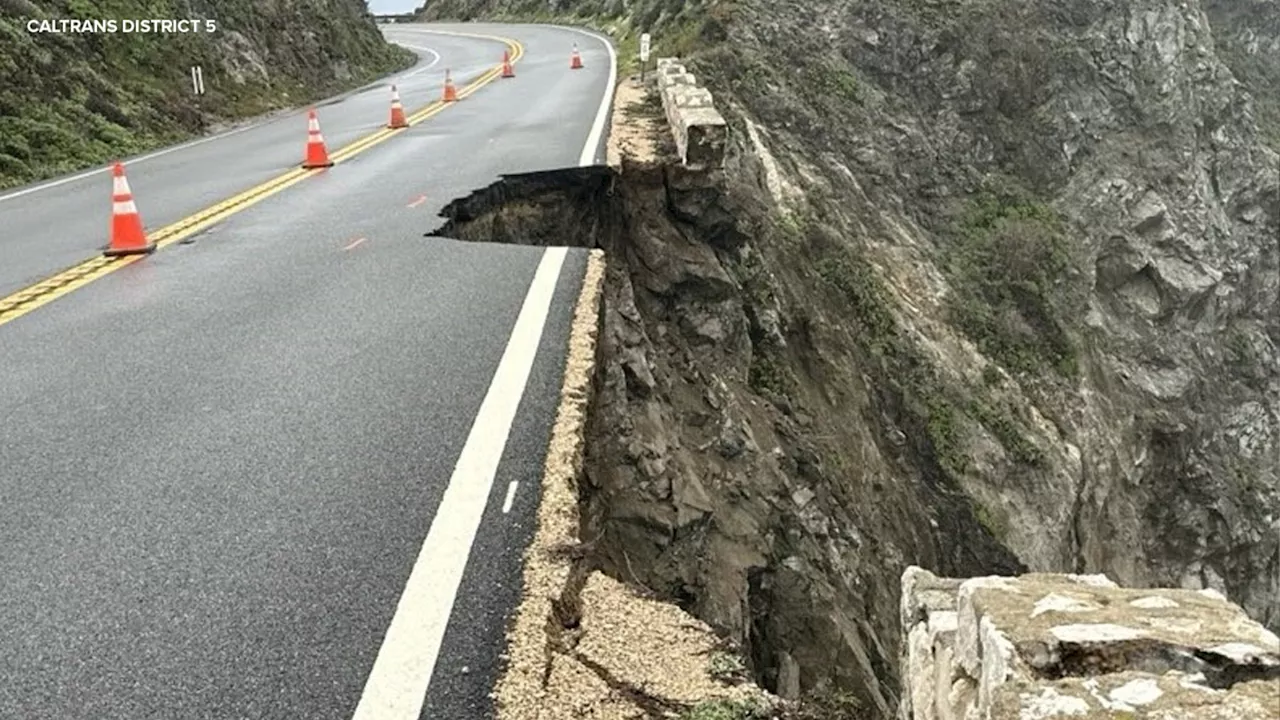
(61, 224)
(244, 477)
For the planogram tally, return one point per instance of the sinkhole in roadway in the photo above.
(574, 207)
(595, 206)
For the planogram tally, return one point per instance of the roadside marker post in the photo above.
(197, 87)
(644, 53)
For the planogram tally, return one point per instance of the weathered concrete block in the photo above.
(692, 97)
(669, 69)
(705, 139)
(923, 592)
(675, 79)
(1046, 646)
(698, 128)
(921, 697)
(968, 634)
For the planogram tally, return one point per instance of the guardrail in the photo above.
(699, 129)
(1044, 645)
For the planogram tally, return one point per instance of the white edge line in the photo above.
(191, 143)
(592, 146)
(589, 150)
(396, 688)
(424, 68)
(134, 161)
(511, 496)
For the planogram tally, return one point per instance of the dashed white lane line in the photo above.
(397, 686)
(511, 496)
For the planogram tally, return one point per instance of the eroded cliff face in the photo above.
(1246, 36)
(982, 287)
(1160, 445)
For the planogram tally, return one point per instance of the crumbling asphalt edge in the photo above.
(521, 688)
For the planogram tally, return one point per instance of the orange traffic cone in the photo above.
(317, 154)
(450, 92)
(507, 70)
(575, 60)
(397, 111)
(127, 235)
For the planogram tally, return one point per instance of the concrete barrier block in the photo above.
(673, 79)
(668, 70)
(699, 130)
(703, 116)
(705, 143)
(1080, 646)
(692, 97)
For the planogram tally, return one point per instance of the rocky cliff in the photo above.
(73, 99)
(981, 286)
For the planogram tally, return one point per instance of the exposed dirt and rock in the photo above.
(983, 287)
(636, 131)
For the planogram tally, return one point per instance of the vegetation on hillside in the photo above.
(74, 100)
(1009, 260)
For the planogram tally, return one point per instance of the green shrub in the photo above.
(1007, 432)
(995, 523)
(900, 363)
(860, 286)
(1011, 268)
(832, 81)
(725, 710)
(767, 375)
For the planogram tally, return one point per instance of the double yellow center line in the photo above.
(67, 281)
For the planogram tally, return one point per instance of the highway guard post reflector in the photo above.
(450, 92)
(397, 111)
(317, 154)
(127, 235)
(507, 70)
(575, 60)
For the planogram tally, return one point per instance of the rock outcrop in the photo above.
(1045, 647)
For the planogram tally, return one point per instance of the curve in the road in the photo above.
(593, 150)
(33, 297)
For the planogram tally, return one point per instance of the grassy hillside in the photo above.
(74, 100)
